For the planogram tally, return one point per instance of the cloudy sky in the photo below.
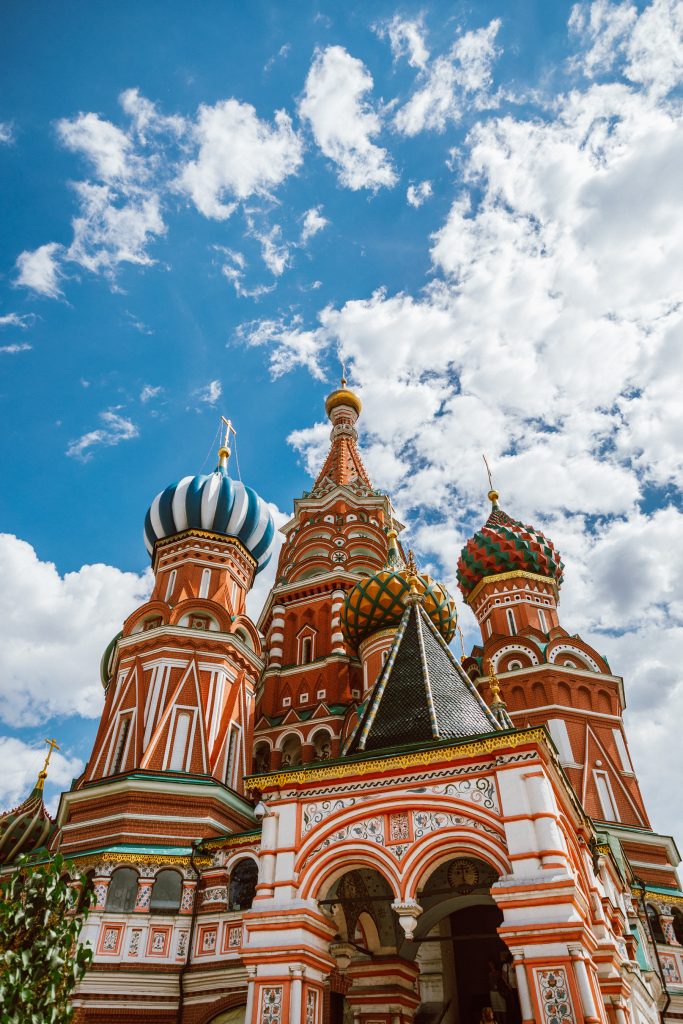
(476, 206)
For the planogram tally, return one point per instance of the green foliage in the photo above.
(40, 959)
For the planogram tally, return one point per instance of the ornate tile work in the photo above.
(235, 937)
(216, 894)
(480, 791)
(134, 944)
(209, 940)
(158, 942)
(100, 891)
(432, 821)
(144, 895)
(182, 944)
(399, 828)
(111, 940)
(371, 828)
(555, 999)
(311, 1007)
(187, 898)
(670, 969)
(314, 814)
(271, 1005)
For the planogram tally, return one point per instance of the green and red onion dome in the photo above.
(505, 545)
(378, 601)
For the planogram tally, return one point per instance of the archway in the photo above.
(463, 962)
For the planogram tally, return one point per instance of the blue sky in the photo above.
(477, 206)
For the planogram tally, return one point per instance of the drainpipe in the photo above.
(662, 976)
(196, 843)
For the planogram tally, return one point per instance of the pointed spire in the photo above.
(343, 464)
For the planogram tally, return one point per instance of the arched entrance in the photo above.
(461, 957)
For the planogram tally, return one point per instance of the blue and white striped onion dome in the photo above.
(217, 504)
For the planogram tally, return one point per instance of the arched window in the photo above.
(170, 585)
(678, 924)
(166, 892)
(321, 745)
(261, 758)
(122, 891)
(243, 880)
(512, 625)
(307, 650)
(120, 749)
(542, 620)
(182, 729)
(86, 894)
(205, 583)
(291, 751)
(655, 924)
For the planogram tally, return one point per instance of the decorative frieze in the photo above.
(554, 997)
(271, 1005)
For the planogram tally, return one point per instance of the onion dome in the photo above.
(215, 503)
(27, 827)
(505, 545)
(107, 659)
(343, 396)
(378, 601)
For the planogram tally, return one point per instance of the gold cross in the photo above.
(42, 775)
(488, 470)
(228, 428)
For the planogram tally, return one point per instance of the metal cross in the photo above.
(53, 745)
(488, 470)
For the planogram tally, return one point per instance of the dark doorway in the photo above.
(478, 953)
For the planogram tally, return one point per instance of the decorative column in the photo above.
(337, 636)
(295, 992)
(550, 844)
(667, 922)
(144, 896)
(100, 885)
(276, 636)
(269, 830)
(251, 987)
(583, 984)
(408, 914)
(188, 896)
(522, 987)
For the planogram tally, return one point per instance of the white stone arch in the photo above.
(585, 660)
(317, 878)
(239, 855)
(515, 648)
(285, 736)
(430, 853)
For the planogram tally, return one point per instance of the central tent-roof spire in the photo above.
(343, 464)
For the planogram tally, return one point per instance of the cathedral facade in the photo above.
(325, 816)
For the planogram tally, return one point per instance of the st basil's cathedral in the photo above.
(325, 816)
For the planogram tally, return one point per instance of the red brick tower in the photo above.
(337, 534)
(510, 575)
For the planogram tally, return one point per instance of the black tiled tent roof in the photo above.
(422, 693)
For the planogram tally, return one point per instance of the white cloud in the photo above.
(266, 578)
(149, 392)
(108, 148)
(313, 222)
(12, 350)
(343, 122)
(22, 320)
(239, 156)
(6, 133)
(21, 763)
(40, 270)
(290, 346)
(116, 428)
(406, 39)
(418, 194)
(274, 250)
(210, 393)
(55, 629)
(462, 76)
(147, 121)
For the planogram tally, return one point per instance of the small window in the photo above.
(385, 655)
(513, 666)
(243, 879)
(117, 761)
(233, 591)
(489, 627)
(166, 892)
(182, 730)
(307, 650)
(286, 701)
(171, 584)
(303, 698)
(655, 924)
(609, 807)
(122, 892)
(205, 583)
(560, 735)
(321, 694)
(232, 757)
(512, 625)
(355, 694)
(542, 620)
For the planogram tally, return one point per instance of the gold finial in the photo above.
(411, 572)
(493, 493)
(224, 450)
(343, 374)
(462, 642)
(494, 684)
(42, 775)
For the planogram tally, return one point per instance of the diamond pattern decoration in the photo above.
(378, 602)
(504, 545)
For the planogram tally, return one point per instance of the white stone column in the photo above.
(276, 636)
(251, 987)
(269, 831)
(337, 635)
(296, 993)
(522, 986)
(548, 834)
(577, 955)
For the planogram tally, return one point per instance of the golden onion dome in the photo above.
(378, 601)
(343, 396)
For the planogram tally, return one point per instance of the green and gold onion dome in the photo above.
(505, 545)
(378, 601)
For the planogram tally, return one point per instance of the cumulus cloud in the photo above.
(210, 393)
(313, 222)
(407, 39)
(115, 428)
(107, 147)
(462, 76)
(343, 122)
(6, 133)
(418, 194)
(290, 345)
(239, 156)
(40, 271)
(55, 630)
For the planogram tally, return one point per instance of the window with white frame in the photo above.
(321, 694)
(205, 583)
(232, 756)
(286, 701)
(558, 731)
(542, 620)
(512, 625)
(177, 760)
(489, 627)
(120, 749)
(622, 751)
(170, 585)
(609, 804)
(303, 698)
(306, 646)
